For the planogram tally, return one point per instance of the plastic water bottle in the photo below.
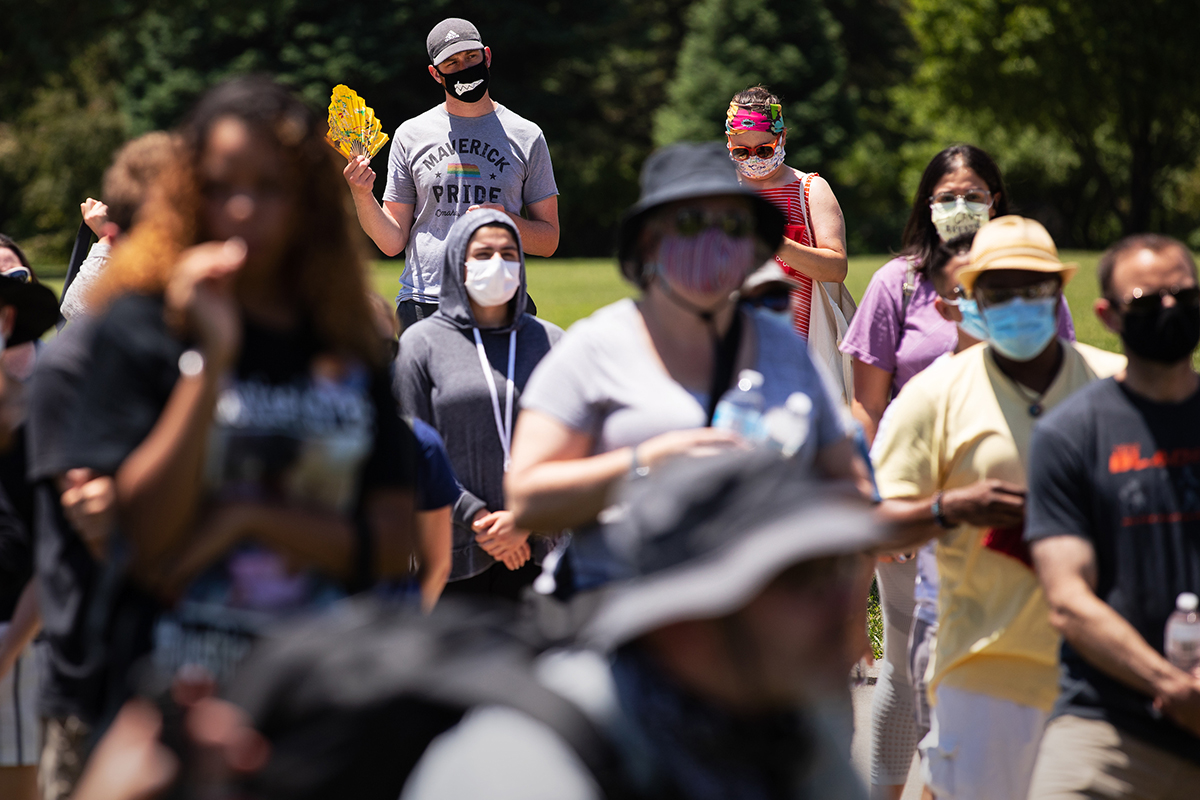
(787, 426)
(1183, 633)
(740, 409)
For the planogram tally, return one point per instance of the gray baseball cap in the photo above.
(450, 36)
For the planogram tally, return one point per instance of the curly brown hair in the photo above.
(326, 269)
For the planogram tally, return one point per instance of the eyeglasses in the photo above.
(999, 296)
(20, 274)
(980, 197)
(761, 151)
(692, 221)
(1139, 302)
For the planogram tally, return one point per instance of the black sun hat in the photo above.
(680, 172)
(701, 537)
(36, 305)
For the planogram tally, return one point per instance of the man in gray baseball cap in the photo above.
(466, 153)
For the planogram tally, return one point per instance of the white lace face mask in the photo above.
(494, 281)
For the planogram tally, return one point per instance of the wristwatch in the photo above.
(938, 513)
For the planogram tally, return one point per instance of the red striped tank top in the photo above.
(791, 201)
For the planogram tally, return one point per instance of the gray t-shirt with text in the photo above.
(444, 164)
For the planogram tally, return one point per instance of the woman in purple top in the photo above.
(897, 332)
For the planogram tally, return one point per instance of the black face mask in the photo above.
(1165, 336)
(468, 85)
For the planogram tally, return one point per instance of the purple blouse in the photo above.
(875, 336)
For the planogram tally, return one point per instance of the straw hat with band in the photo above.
(37, 309)
(1012, 242)
(681, 172)
(700, 538)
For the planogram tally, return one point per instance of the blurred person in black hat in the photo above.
(717, 668)
(467, 153)
(27, 310)
(637, 382)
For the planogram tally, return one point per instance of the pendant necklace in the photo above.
(1035, 402)
(1028, 395)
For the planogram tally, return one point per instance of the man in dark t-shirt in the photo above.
(1114, 527)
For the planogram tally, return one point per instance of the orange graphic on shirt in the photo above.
(1128, 458)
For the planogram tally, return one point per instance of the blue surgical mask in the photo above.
(972, 323)
(1020, 329)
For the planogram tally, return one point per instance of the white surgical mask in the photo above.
(493, 282)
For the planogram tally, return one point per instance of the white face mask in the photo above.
(493, 282)
(957, 218)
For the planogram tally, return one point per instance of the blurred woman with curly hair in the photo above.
(238, 391)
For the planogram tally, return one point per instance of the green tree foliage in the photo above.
(1088, 105)
(589, 72)
(54, 152)
(1104, 88)
(792, 48)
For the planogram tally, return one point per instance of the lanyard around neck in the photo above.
(503, 426)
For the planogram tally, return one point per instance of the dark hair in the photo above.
(757, 97)
(1154, 242)
(7, 243)
(920, 236)
(944, 253)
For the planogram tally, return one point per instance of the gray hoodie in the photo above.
(439, 379)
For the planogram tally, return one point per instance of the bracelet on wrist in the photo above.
(636, 468)
(191, 363)
(939, 513)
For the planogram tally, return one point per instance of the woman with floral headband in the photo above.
(814, 245)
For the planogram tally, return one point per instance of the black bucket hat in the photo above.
(682, 171)
(36, 305)
(701, 537)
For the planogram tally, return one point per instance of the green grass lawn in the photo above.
(567, 289)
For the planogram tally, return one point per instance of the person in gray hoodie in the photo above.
(462, 370)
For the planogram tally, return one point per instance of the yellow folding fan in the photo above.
(353, 128)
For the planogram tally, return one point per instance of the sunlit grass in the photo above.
(568, 289)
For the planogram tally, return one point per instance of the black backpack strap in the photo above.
(83, 239)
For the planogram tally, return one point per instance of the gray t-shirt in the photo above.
(602, 379)
(444, 164)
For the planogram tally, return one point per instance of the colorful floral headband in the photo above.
(740, 119)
